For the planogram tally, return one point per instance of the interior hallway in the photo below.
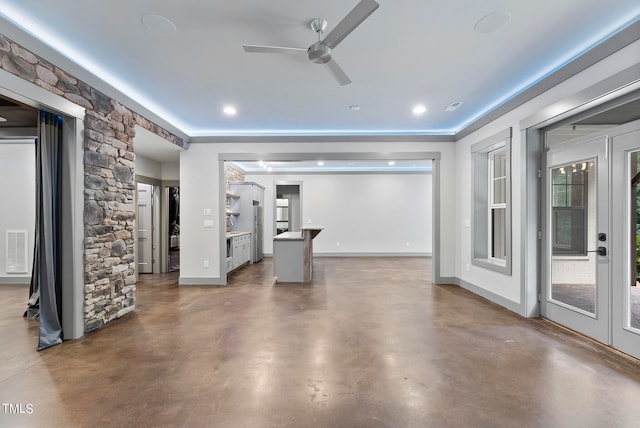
(370, 344)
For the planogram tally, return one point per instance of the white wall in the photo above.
(199, 174)
(170, 171)
(199, 180)
(165, 171)
(17, 196)
(510, 286)
(360, 213)
(148, 167)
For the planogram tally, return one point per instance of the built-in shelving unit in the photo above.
(233, 197)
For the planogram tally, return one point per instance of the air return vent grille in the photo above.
(17, 251)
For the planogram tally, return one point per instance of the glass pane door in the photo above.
(626, 225)
(575, 238)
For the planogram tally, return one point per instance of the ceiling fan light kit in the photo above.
(320, 51)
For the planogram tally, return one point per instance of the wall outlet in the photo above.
(309, 221)
(205, 264)
(467, 267)
(208, 223)
(207, 212)
(337, 244)
(407, 244)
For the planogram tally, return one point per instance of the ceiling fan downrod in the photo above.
(318, 52)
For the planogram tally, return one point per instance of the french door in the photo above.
(576, 292)
(626, 229)
(591, 237)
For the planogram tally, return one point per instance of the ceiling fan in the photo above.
(320, 51)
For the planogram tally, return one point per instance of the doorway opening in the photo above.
(591, 223)
(18, 135)
(17, 224)
(288, 206)
(173, 257)
(354, 189)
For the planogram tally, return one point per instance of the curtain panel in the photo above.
(45, 299)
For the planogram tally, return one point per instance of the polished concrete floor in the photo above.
(583, 296)
(371, 343)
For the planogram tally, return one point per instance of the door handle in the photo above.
(602, 251)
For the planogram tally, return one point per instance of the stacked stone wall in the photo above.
(109, 183)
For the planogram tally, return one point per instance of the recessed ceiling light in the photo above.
(492, 22)
(392, 163)
(419, 109)
(3, 119)
(230, 110)
(320, 163)
(269, 169)
(158, 24)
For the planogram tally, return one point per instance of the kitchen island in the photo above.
(293, 255)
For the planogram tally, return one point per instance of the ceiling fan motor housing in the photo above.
(319, 53)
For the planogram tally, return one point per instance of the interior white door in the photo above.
(145, 228)
(575, 247)
(625, 215)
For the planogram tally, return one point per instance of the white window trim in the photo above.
(482, 202)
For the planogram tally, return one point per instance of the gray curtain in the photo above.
(45, 292)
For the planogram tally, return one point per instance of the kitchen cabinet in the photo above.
(293, 255)
(238, 250)
(247, 214)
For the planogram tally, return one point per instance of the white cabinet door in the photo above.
(237, 255)
(246, 249)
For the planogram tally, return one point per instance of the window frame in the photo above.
(482, 202)
(494, 206)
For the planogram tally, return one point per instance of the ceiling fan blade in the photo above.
(337, 72)
(349, 23)
(272, 49)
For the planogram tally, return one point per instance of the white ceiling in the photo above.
(407, 52)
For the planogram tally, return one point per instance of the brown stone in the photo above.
(18, 66)
(78, 99)
(5, 46)
(46, 75)
(65, 77)
(48, 87)
(24, 54)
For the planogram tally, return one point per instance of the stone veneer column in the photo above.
(109, 184)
